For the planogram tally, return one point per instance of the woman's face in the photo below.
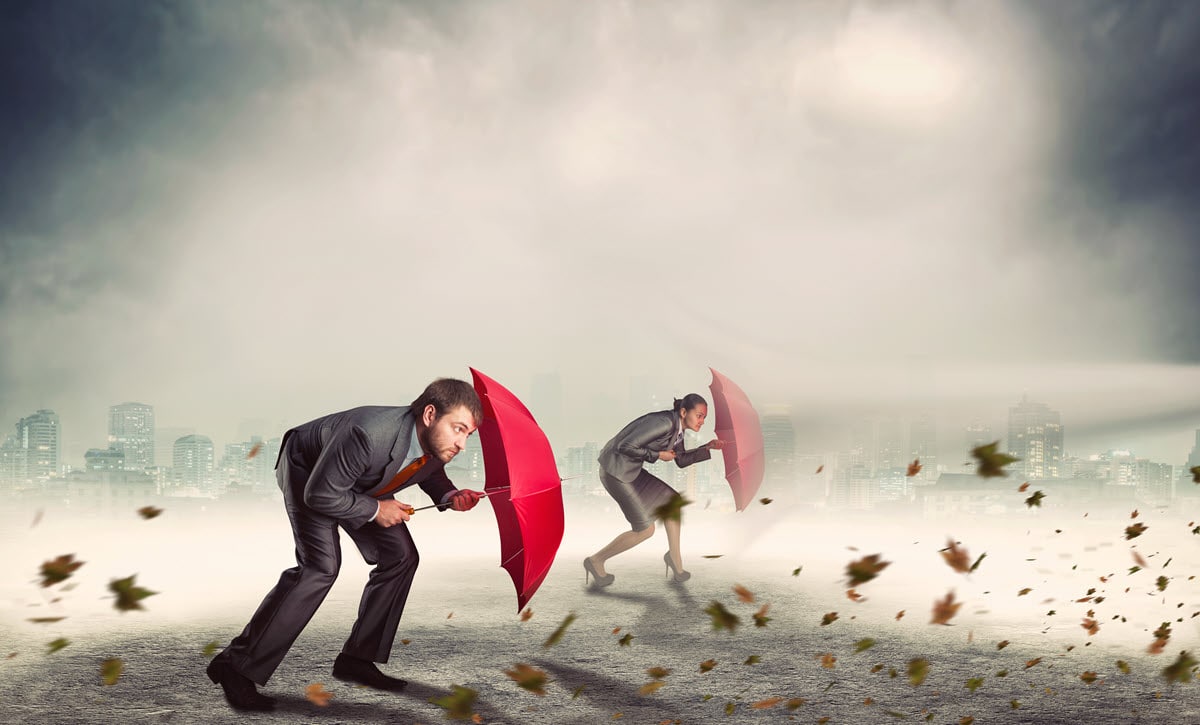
(694, 419)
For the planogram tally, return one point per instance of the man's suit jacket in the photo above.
(641, 441)
(353, 453)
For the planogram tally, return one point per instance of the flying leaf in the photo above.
(977, 562)
(210, 648)
(729, 708)
(59, 569)
(1123, 666)
(557, 634)
(854, 596)
(864, 644)
(1161, 583)
(1089, 677)
(991, 463)
(760, 617)
(458, 704)
(1195, 471)
(1035, 499)
(828, 661)
(944, 609)
(526, 614)
(110, 671)
(528, 678)
(149, 512)
(914, 468)
(765, 501)
(1024, 591)
(796, 571)
(1033, 662)
(1181, 669)
(918, 670)
(1141, 560)
(743, 594)
(1002, 644)
(722, 618)
(822, 468)
(865, 569)
(1023, 487)
(1091, 625)
(254, 449)
(829, 618)
(624, 641)
(577, 690)
(650, 687)
(658, 673)
(956, 558)
(707, 665)
(713, 556)
(56, 645)
(900, 615)
(672, 510)
(318, 695)
(45, 620)
(974, 683)
(1132, 532)
(1134, 515)
(766, 704)
(129, 596)
(752, 660)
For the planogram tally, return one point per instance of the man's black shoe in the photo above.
(366, 673)
(239, 689)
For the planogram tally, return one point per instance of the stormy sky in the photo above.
(274, 210)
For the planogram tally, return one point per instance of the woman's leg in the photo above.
(623, 542)
(672, 528)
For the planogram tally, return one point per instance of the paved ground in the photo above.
(463, 628)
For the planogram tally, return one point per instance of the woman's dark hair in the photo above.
(687, 402)
(446, 394)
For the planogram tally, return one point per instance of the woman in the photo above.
(653, 437)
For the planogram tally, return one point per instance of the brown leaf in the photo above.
(650, 687)
(1035, 499)
(1134, 515)
(829, 618)
(822, 468)
(958, 559)
(743, 594)
(149, 512)
(854, 596)
(991, 463)
(914, 468)
(900, 615)
(318, 695)
(766, 704)
(528, 678)
(59, 569)
(1023, 487)
(45, 620)
(1091, 625)
(1002, 644)
(1134, 531)
(1141, 560)
(865, 569)
(624, 641)
(828, 661)
(1032, 662)
(658, 673)
(760, 617)
(129, 596)
(1088, 677)
(1024, 591)
(526, 614)
(722, 618)
(944, 609)
(707, 665)
(254, 451)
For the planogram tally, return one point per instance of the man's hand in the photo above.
(666, 455)
(465, 499)
(716, 444)
(392, 512)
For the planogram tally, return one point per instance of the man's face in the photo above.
(693, 419)
(446, 437)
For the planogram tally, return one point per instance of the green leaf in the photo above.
(752, 660)
(918, 670)
(1181, 669)
(210, 648)
(722, 618)
(1035, 499)
(991, 463)
(863, 645)
(978, 562)
(624, 641)
(865, 569)
(129, 596)
(1123, 666)
(110, 671)
(974, 683)
(528, 678)
(459, 704)
(557, 634)
(672, 510)
(56, 645)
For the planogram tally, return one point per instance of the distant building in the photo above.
(131, 431)
(1194, 457)
(103, 459)
(250, 464)
(40, 435)
(959, 494)
(1155, 482)
(192, 464)
(922, 446)
(1035, 435)
(14, 469)
(779, 450)
(853, 487)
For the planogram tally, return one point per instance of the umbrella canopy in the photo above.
(737, 425)
(517, 456)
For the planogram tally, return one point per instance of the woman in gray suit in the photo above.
(653, 437)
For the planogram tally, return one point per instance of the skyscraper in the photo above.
(1194, 457)
(779, 448)
(922, 446)
(1035, 435)
(40, 436)
(131, 431)
(14, 471)
(193, 462)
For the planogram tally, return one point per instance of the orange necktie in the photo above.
(402, 477)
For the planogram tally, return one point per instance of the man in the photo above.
(344, 469)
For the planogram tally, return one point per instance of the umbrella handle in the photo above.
(451, 503)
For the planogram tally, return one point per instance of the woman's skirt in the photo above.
(639, 499)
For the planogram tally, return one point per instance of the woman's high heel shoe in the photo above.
(680, 576)
(601, 581)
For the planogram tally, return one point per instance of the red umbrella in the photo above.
(517, 457)
(737, 425)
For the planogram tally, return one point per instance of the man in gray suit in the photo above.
(343, 470)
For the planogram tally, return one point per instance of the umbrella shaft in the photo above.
(451, 503)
